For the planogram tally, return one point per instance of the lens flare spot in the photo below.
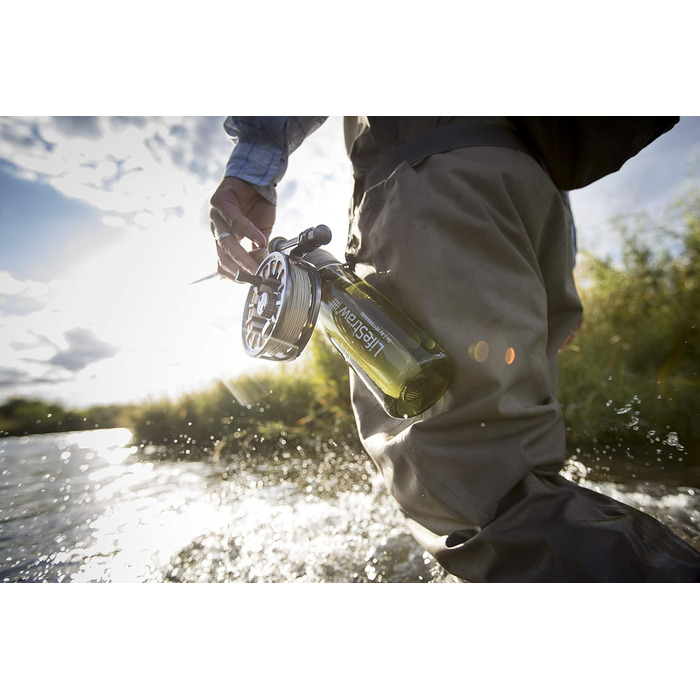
(479, 351)
(510, 356)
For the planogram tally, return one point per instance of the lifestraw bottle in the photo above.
(405, 369)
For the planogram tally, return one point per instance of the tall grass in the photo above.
(287, 408)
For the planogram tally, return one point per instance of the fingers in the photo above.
(238, 209)
(243, 227)
(224, 272)
(238, 225)
(232, 255)
(232, 198)
(229, 268)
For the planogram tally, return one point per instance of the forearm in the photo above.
(262, 146)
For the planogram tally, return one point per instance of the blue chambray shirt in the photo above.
(262, 146)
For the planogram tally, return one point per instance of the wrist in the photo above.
(267, 192)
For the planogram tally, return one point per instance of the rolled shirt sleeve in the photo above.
(262, 146)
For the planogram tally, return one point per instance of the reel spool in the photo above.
(281, 308)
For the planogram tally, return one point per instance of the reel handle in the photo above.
(246, 278)
(304, 243)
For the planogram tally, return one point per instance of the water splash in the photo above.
(293, 519)
(106, 514)
(673, 441)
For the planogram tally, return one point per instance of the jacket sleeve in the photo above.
(262, 146)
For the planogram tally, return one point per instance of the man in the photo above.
(459, 224)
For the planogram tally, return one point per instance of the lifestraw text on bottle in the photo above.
(360, 327)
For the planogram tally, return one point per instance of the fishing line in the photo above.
(293, 298)
(292, 316)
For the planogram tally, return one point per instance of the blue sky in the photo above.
(103, 221)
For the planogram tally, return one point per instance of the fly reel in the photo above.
(282, 306)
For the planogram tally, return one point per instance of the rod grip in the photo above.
(318, 235)
(305, 242)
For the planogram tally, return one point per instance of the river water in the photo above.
(87, 507)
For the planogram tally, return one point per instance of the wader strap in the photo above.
(441, 140)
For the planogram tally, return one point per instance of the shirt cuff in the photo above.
(262, 172)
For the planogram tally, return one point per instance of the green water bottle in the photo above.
(405, 369)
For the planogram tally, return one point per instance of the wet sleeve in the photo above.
(262, 146)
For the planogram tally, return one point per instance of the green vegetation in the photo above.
(629, 380)
(285, 408)
(20, 416)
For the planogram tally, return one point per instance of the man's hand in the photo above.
(238, 209)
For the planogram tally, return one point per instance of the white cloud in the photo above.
(21, 297)
(9, 285)
(120, 165)
(114, 221)
(11, 378)
(84, 127)
(83, 348)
